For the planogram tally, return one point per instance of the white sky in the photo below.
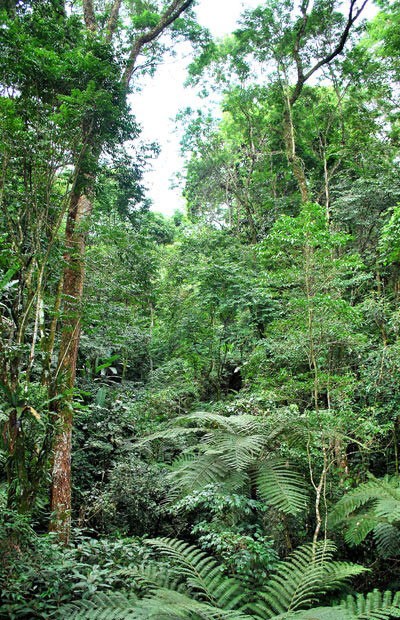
(161, 98)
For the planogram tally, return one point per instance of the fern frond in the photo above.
(202, 573)
(387, 538)
(373, 506)
(244, 424)
(238, 452)
(320, 613)
(169, 605)
(358, 528)
(373, 606)
(349, 504)
(300, 581)
(192, 472)
(388, 508)
(152, 576)
(282, 487)
(102, 606)
(172, 433)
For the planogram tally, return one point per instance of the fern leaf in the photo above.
(282, 487)
(320, 613)
(245, 424)
(169, 605)
(373, 606)
(302, 579)
(358, 528)
(202, 573)
(172, 433)
(387, 538)
(239, 452)
(195, 472)
(349, 504)
(373, 506)
(110, 606)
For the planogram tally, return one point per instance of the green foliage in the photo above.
(389, 245)
(372, 507)
(372, 606)
(307, 575)
(256, 339)
(170, 390)
(304, 578)
(147, 19)
(235, 450)
(132, 502)
(37, 575)
(231, 527)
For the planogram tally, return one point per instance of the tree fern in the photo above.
(202, 592)
(166, 604)
(191, 472)
(372, 507)
(237, 451)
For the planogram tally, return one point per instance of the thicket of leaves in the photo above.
(236, 410)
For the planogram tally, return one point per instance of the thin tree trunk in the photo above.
(49, 341)
(294, 160)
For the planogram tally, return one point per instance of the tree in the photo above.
(86, 78)
(293, 42)
(147, 27)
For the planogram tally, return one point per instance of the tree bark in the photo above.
(294, 160)
(76, 231)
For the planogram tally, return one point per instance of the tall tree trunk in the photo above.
(76, 231)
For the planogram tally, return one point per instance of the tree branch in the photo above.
(300, 33)
(89, 15)
(172, 13)
(302, 78)
(113, 19)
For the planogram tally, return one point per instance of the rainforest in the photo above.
(199, 413)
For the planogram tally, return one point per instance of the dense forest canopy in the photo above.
(200, 414)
